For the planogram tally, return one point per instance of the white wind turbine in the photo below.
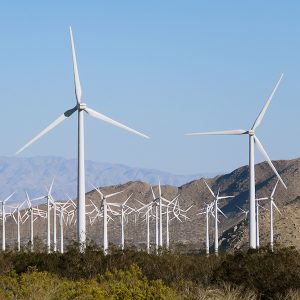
(216, 211)
(157, 202)
(62, 207)
(104, 208)
(80, 108)
(272, 204)
(124, 210)
(258, 206)
(3, 202)
(148, 208)
(33, 212)
(252, 139)
(207, 212)
(17, 220)
(168, 206)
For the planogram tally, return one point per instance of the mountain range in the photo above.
(34, 174)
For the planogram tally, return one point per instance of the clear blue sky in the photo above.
(163, 67)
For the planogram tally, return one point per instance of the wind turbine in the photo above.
(272, 204)
(17, 220)
(3, 221)
(252, 139)
(216, 211)
(124, 208)
(208, 210)
(257, 219)
(104, 208)
(80, 108)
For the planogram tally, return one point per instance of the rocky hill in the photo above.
(233, 229)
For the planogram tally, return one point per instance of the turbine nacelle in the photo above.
(81, 106)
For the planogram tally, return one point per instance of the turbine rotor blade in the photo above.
(114, 194)
(127, 199)
(273, 203)
(263, 111)
(226, 132)
(264, 153)
(274, 190)
(106, 119)
(154, 198)
(67, 114)
(78, 91)
(210, 189)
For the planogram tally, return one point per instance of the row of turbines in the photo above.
(159, 209)
(107, 210)
(81, 108)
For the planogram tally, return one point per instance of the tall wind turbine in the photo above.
(80, 108)
(252, 139)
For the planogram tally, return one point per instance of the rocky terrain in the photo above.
(233, 229)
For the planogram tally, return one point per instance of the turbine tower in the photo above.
(80, 108)
(252, 139)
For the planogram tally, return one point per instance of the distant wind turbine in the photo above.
(80, 108)
(216, 211)
(252, 139)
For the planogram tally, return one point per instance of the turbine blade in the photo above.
(51, 186)
(5, 200)
(75, 70)
(210, 189)
(154, 198)
(263, 111)
(98, 191)
(127, 199)
(114, 194)
(106, 119)
(159, 188)
(226, 132)
(274, 190)
(273, 203)
(264, 153)
(219, 210)
(225, 197)
(261, 199)
(49, 128)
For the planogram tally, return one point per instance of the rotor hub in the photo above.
(251, 132)
(81, 106)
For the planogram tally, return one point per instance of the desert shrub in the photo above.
(127, 285)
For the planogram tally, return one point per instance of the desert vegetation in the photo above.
(132, 274)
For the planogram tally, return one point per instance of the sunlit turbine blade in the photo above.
(226, 132)
(98, 190)
(154, 198)
(5, 200)
(225, 197)
(273, 203)
(106, 119)
(263, 111)
(49, 128)
(210, 189)
(114, 194)
(264, 153)
(260, 199)
(274, 190)
(159, 188)
(127, 199)
(75, 70)
(51, 186)
(219, 210)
